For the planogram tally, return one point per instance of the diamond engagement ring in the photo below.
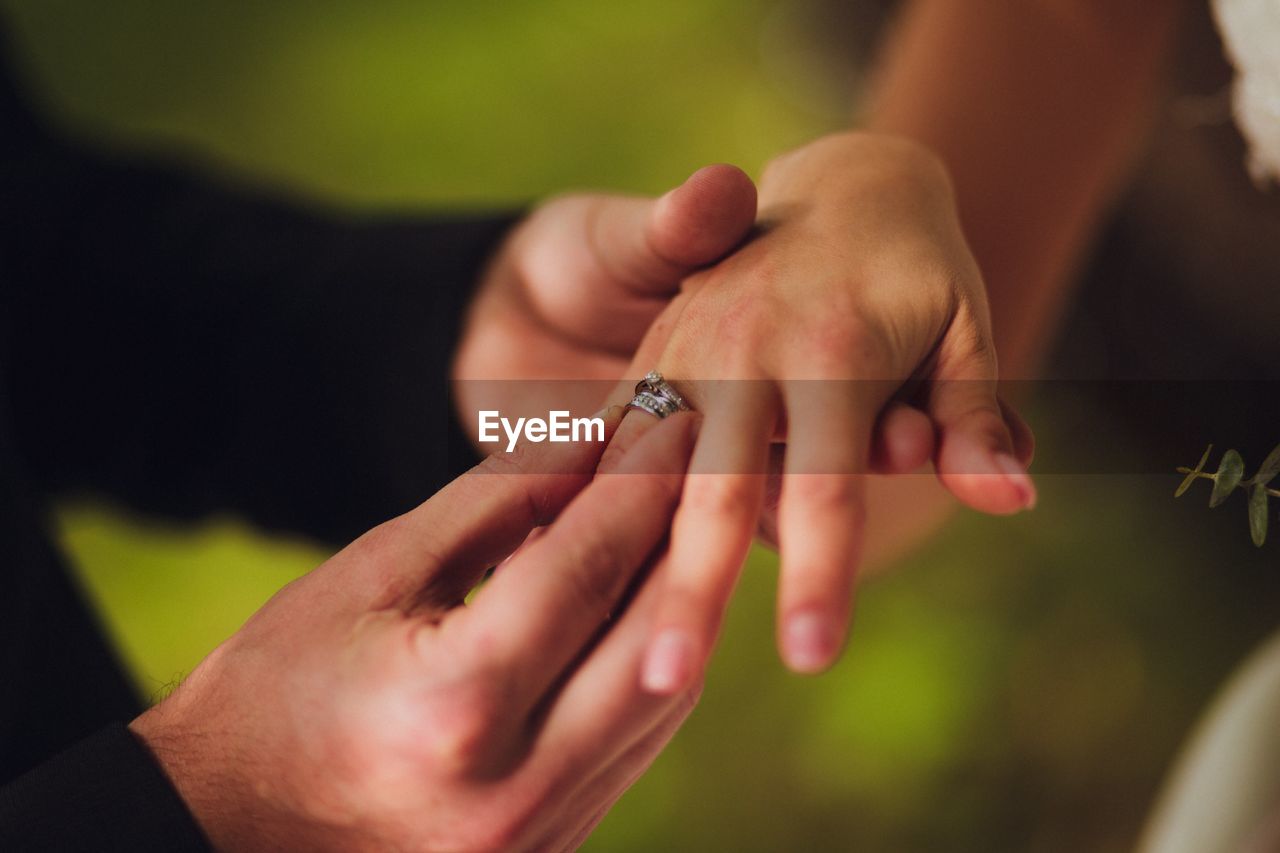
(656, 396)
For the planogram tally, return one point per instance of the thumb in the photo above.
(599, 268)
(649, 245)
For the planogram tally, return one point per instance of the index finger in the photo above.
(552, 599)
(436, 552)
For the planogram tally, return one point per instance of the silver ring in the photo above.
(656, 396)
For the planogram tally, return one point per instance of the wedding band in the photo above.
(654, 382)
(656, 396)
(646, 401)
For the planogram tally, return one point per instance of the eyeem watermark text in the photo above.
(557, 427)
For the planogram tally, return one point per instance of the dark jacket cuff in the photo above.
(106, 793)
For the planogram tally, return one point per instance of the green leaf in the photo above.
(1230, 473)
(1204, 459)
(1258, 514)
(1270, 468)
(1192, 475)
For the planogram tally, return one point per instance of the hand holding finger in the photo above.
(599, 268)
(539, 612)
(436, 552)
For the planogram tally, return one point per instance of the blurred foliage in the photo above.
(1020, 684)
(172, 594)
(1229, 477)
(400, 101)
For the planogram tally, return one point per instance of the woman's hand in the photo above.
(363, 709)
(853, 322)
(855, 329)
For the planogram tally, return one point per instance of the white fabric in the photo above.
(1251, 32)
(1224, 793)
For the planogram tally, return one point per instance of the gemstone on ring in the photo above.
(656, 396)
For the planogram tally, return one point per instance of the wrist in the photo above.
(178, 761)
(838, 166)
(203, 765)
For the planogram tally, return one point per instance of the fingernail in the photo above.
(668, 663)
(808, 642)
(1018, 477)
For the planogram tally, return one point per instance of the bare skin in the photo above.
(363, 709)
(857, 277)
(1034, 135)
(1034, 111)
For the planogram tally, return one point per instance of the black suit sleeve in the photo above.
(187, 348)
(102, 795)
(190, 348)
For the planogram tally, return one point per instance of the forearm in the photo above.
(1037, 107)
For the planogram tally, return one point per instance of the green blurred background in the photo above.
(1019, 684)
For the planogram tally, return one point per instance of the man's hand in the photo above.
(363, 709)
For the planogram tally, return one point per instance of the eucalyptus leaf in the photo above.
(1192, 475)
(1270, 468)
(1230, 473)
(1186, 484)
(1258, 514)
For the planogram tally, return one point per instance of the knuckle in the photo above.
(457, 748)
(595, 565)
(832, 347)
(734, 308)
(618, 450)
(984, 421)
(844, 341)
(462, 727)
(361, 767)
(512, 471)
(719, 495)
(737, 309)
(825, 490)
(970, 332)
(660, 489)
(981, 348)
(377, 552)
(507, 463)
(380, 539)
(697, 604)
